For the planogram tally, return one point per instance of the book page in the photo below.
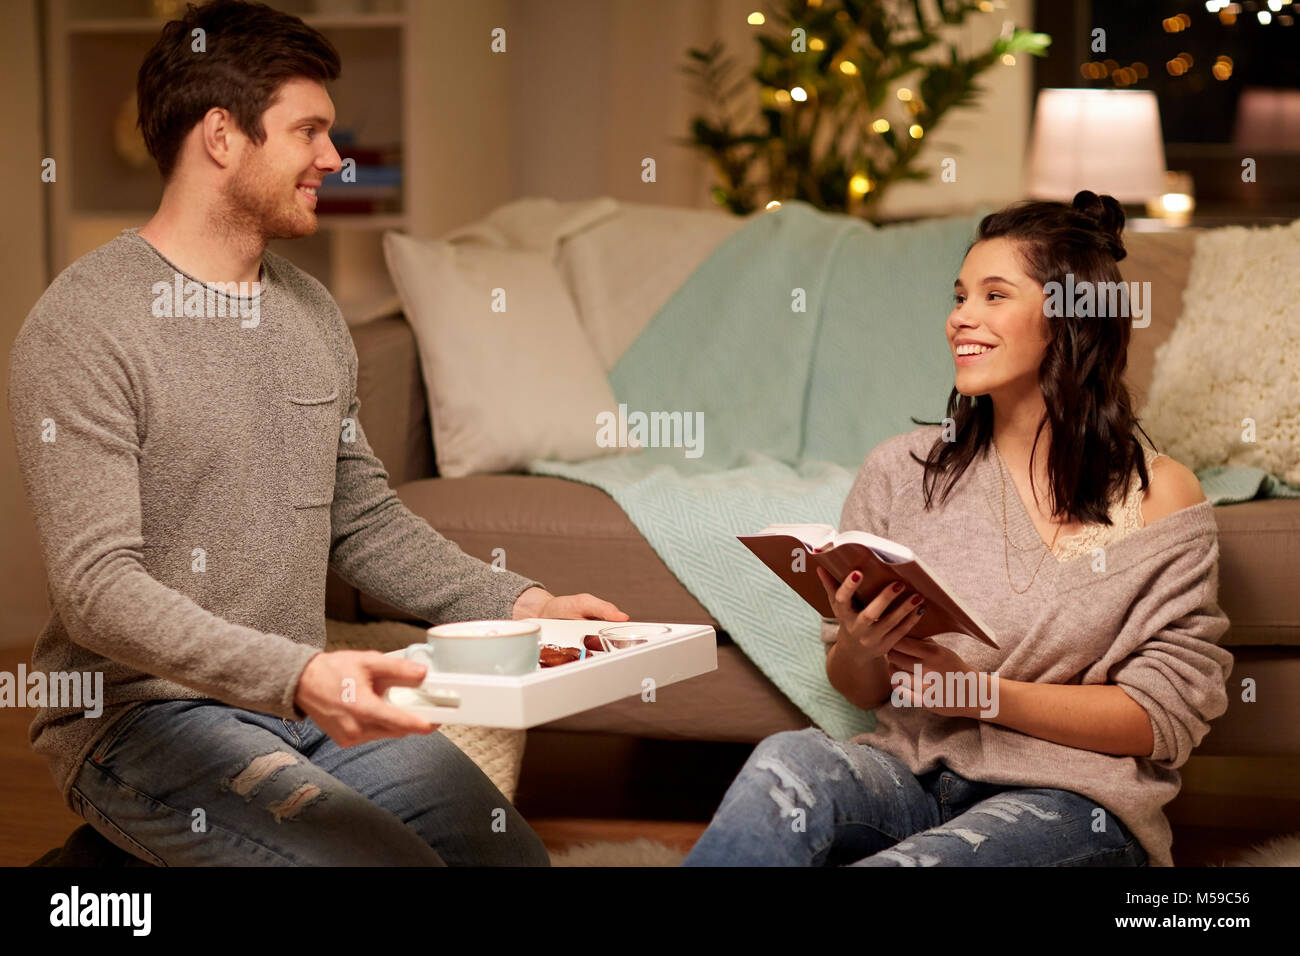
(891, 552)
(814, 536)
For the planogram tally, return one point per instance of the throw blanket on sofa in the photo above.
(801, 343)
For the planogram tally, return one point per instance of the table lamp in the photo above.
(1107, 141)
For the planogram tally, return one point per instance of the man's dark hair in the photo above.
(251, 51)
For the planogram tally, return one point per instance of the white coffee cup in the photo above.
(485, 647)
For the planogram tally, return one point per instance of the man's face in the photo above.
(272, 188)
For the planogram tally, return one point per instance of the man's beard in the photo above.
(254, 205)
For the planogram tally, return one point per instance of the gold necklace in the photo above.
(1006, 554)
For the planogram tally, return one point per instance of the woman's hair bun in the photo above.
(1106, 212)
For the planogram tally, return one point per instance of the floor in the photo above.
(568, 792)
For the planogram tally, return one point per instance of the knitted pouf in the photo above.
(498, 752)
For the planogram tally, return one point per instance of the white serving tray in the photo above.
(526, 700)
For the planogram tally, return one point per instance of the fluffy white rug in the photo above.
(1280, 851)
(1234, 355)
(639, 852)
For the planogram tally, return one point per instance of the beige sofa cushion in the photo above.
(576, 533)
(509, 373)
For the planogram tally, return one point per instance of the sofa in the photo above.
(574, 538)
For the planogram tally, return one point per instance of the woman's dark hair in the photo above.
(1093, 449)
(247, 52)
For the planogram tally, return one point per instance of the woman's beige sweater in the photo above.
(1142, 613)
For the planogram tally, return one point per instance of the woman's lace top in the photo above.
(1125, 516)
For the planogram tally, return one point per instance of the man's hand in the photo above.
(538, 602)
(342, 692)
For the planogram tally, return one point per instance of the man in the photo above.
(195, 461)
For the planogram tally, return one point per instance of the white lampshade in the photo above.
(1105, 140)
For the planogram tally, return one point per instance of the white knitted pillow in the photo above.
(1231, 366)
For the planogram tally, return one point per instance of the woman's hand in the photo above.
(933, 658)
(871, 632)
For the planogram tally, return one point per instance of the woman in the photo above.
(1092, 558)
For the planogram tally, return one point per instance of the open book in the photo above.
(793, 552)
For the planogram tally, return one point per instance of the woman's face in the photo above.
(996, 304)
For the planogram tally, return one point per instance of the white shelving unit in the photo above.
(93, 52)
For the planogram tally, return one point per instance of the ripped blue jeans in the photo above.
(803, 799)
(201, 783)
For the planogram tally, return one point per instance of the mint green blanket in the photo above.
(1225, 485)
(802, 342)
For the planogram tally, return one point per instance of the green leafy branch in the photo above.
(822, 81)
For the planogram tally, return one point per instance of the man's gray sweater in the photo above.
(192, 477)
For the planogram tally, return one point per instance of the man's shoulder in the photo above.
(297, 280)
(86, 296)
(309, 292)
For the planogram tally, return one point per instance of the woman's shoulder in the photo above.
(895, 452)
(884, 475)
(1171, 487)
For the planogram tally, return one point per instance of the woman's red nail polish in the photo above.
(917, 599)
(898, 586)
(856, 577)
